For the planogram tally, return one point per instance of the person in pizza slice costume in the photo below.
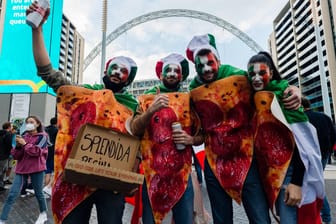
(167, 169)
(286, 147)
(72, 203)
(222, 98)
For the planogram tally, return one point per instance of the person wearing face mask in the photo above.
(168, 184)
(120, 71)
(31, 153)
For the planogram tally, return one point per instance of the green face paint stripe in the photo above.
(198, 62)
(165, 70)
(250, 68)
(109, 71)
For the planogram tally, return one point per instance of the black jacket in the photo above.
(5, 144)
(325, 130)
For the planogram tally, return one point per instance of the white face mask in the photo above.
(30, 127)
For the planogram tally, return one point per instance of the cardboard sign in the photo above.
(103, 158)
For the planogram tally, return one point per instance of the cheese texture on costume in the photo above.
(77, 106)
(225, 111)
(166, 169)
(274, 146)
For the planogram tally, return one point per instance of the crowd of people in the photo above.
(226, 108)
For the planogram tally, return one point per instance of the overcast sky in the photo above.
(152, 40)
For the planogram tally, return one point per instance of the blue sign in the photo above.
(17, 67)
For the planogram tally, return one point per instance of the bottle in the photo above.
(35, 18)
(178, 126)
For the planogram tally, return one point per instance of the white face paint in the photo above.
(118, 70)
(204, 61)
(260, 76)
(172, 70)
(257, 83)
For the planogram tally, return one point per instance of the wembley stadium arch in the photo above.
(172, 13)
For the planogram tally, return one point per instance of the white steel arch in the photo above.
(172, 13)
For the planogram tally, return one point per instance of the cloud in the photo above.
(149, 41)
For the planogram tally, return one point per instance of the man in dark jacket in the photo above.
(327, 138)
(5, 148)
(52, 132)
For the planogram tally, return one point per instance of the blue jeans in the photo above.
(3, 167)
(183, 211)
(19, 179)
(325, 210)
(110, 208)
(287, 214)
(254, 198)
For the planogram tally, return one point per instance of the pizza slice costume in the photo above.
(225, 112)
(166, 169)
(278, 131)
(77, 106)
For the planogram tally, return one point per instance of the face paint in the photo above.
(260, 75)
(118, 70)
(172, 70)
(207, 65)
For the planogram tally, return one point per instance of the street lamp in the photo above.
(103, 48)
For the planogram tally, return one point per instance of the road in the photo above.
(25, 210)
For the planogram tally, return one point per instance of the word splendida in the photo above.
(104, 147)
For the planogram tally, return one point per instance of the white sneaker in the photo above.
(2, 222)
(47, 190)
(31, 191)
(42, 218)
(46, 196)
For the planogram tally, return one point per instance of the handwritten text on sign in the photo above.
(102, 150)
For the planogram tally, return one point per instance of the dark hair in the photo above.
(38, 121)
(53, 121)
(265, 57)
(205, 52)
(6, 125)
(305, 102)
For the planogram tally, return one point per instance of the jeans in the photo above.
(325, 210)
(254, 198)
(3, 167)
(110, 208)
(19, 179)
(287, 214)
(182, 211)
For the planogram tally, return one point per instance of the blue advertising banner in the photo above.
(17, 67)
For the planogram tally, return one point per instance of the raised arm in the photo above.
(52, 77)
(41, 56)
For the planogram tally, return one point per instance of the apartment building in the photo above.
(66, 47)
(303, 45)
(71, 52)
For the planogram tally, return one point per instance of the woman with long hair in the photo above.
(31, 153)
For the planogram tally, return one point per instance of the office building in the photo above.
(138, 87)
(71, 52)
(303, 45)
(21, 91)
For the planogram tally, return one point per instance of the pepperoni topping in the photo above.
(84, 113)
